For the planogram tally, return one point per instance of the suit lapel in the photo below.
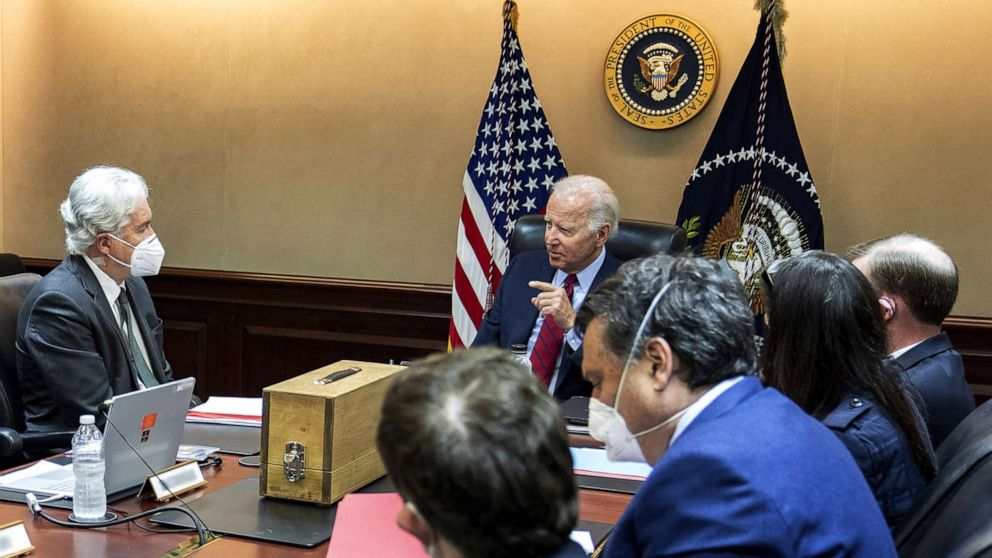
(523, 328)
(92, 286)
(609, 267)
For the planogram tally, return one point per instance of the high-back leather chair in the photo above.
(953, 516)
(15, 445)
(11, 264)
(634, 239)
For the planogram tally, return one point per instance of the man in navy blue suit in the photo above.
(536, 300)
(917, 283)
(739, 470)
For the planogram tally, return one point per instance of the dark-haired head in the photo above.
(827, 339)
(479, 448)
(704, 315)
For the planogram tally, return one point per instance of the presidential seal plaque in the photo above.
(661, 71)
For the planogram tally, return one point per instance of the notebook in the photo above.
(150, 420)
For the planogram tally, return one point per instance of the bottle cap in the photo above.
(86, 419)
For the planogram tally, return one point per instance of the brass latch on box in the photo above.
(294, 461)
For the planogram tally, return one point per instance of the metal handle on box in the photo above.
(337, 375)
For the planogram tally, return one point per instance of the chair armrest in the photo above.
(34, 441)
(11, 444)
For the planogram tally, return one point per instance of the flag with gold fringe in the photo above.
(751, 199)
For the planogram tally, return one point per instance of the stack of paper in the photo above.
(236, 411)
(593, 462)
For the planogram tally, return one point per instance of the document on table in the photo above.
(593, 462)
(365, 525)
(43, 476)
(235, 411)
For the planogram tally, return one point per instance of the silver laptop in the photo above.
(150, 420)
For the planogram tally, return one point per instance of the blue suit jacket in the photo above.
(753, 475)
(511, 319)
(71, 353)
(936, 371)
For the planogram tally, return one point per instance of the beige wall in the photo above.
(329, 138)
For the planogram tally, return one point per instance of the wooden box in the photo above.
(318, 440)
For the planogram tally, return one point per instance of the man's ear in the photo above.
(662, 359)
(102, 243)
(411, 522)
(603, 234)
(889, 304)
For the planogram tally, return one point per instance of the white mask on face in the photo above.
(607, 425)
(146, 258)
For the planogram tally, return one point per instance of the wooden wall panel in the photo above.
(239, 332)
(972, 337)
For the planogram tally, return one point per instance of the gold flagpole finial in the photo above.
(510, 8)
(779, 15)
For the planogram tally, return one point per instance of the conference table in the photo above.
(129, 540)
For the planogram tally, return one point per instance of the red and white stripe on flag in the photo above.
(510, 173)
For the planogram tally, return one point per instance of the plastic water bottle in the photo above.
(519, 353)
(89, 496)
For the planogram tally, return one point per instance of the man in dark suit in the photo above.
(89, 330)
(738, 469)
(917, 283)
(536, 300)
(479, 453)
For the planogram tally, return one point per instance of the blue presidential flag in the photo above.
(510, 173)
(751, 199)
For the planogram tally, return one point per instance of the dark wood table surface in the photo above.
(131, 541)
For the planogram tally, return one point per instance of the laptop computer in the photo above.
(150, 420)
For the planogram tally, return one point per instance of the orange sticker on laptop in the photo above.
(149, 421)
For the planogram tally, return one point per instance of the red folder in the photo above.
(365, 525)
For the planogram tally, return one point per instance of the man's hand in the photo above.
(552, 301)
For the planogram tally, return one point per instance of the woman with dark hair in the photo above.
(826, 351)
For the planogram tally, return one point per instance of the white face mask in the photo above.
(146, 258)
(607, 425)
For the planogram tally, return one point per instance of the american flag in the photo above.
(510, 173)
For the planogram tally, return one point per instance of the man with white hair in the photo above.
(536, 301)
(89, 330)
(917, 284)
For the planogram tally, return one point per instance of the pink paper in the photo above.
(365, 526)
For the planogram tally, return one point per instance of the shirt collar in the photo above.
(693, 411)
(896, 354)
(111, 289)
(586, 276)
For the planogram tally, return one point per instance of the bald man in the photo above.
(917, 284)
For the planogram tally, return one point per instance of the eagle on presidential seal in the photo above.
(750, 239)
(660, 68)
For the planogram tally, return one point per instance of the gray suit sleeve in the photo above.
(58, 339)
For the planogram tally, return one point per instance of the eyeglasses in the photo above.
(768, 274)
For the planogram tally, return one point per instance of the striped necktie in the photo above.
(549, 341)
(145, 373)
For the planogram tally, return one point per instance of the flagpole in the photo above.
(750, 215)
